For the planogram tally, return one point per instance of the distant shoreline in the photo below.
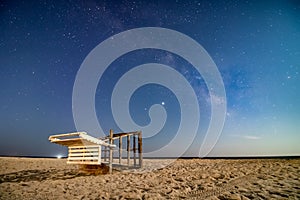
(184, 158)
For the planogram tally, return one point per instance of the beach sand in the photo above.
(41, 178)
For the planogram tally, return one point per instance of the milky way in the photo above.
(255, 45)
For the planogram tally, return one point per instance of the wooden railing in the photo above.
(133, 148)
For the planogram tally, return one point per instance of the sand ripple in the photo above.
(22, 178)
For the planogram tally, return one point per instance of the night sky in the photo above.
(254, 44)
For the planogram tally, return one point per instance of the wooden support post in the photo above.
(134, 150)
(140, 148)
(99, 154)
(120, 150)
(128, 150)
(105, 152)
(110, 150)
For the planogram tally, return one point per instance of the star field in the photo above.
(255, 45)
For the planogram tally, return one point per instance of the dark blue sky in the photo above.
(255, 45)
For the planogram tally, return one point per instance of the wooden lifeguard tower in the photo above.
(84, 149)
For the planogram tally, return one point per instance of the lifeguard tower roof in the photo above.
(77, 139)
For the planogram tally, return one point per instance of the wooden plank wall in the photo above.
(84, 154)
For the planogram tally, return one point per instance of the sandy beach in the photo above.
(41, 178)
